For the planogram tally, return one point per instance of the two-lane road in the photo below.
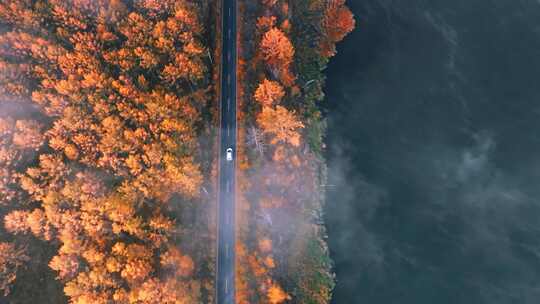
(226, 199)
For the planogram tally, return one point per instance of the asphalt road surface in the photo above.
(226, 198)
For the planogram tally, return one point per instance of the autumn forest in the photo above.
(108, 150)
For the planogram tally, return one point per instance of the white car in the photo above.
(229, 155)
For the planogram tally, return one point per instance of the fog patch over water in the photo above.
(457, 225)
(356, 243)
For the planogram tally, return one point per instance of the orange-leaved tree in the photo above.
(269, 93)
(19, 140)
(117, 88)
(338, 21)
(277, 50)
(11, 259)
(281, 125)
(276, 295)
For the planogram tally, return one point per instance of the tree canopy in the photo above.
(116, 89)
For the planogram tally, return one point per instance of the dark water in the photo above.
(434, 151)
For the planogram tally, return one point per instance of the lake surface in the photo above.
(434, 153)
